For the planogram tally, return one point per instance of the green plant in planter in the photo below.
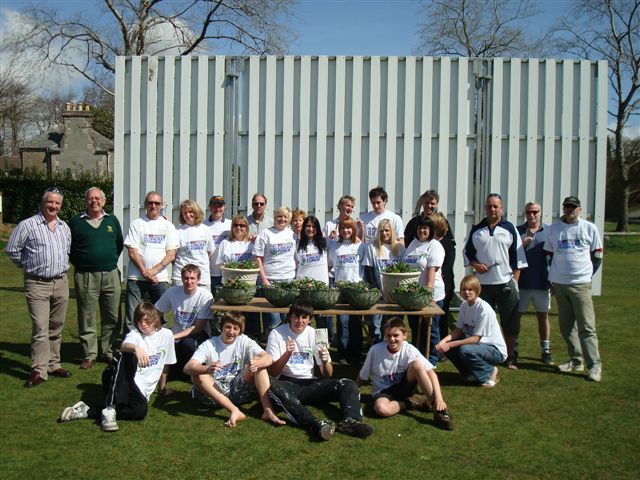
(311, 284)
(359, 295)
(243, 265)
(400, 267)
(236, 292)
(412, 295)
(318, 293)
(287, 285)
(237, 284)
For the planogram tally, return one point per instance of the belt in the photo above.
(28, 276)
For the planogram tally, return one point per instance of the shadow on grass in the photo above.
(70, 353)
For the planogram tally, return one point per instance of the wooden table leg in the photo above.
(427, 346)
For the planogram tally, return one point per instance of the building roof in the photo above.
(53, 139)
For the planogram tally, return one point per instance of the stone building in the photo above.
(72, 145)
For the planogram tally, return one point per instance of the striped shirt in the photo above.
(39, 251)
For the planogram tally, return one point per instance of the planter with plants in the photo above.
(318, 294)
(247, 271)
(282, 294)
(413, 296)
(236, 292)
(397, 274)
(359, 295)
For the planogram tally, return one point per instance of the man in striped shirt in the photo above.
(40, 246)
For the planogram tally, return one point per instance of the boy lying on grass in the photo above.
(132, 376)
(396, 367)
(231, 369)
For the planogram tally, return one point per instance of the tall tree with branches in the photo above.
(87, 41)
(610, 30)
(479, 28)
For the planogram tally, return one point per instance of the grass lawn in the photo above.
(535, 424)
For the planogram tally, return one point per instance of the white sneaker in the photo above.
(78, 412)
(571, 367)
(109, 423)
(595, 373)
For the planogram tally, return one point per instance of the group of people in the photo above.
(511, 268)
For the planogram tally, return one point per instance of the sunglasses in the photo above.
(535, 212)
(497, 195)
(239, 225)
(153, 203)
(259, 204)
(55, 190)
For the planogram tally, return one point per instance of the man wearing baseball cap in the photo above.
(576, 251)
(220, 228)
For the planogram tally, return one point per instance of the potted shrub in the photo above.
(237, 292)
(412, 296)
(282, 294)
(359, 295)
(247, 271)
(318, 294)
(397, 274)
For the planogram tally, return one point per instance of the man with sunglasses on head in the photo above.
(494, 250)
(576, 254)
(258, 221)
(152, 243)
(534, 280)
(40, 247)
(220, 228)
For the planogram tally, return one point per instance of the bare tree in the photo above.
(610, 30)
(479, 28)
(88, 44)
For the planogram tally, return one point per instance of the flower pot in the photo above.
(236, 296)
(360, 299)
(320, 299)
(244, 274)
(392, 280)
(280, 297)
(413, 301)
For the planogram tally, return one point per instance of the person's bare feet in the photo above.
(235, 417)
(269, 416)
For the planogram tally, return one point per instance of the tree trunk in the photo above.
(622, 170)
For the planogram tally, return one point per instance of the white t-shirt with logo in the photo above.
(378, 261)
(195, 247)
(186, 309)
(219, 230)
(480, 319)
(372, 219)
(300, 364)
(152, 238)
(312, 263)
(277, 249)
(346, 260)
(160, 348)
(424, 255)
(234, 251)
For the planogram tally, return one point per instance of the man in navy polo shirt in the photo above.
(494, 250)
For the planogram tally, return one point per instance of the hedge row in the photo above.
(22, 192)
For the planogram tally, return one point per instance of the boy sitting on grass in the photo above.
(476, 346)
(231, 369)
(395, 367)
(131, 378)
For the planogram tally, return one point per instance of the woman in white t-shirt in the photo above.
(274, 250)
(382, 252)
(311, 261)
(427, 254)
(195, 243)
(345, 257)
(236, 248)
(297, 219)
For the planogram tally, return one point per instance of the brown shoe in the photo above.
(87, 364)
(34, 380)
(418, 402)
(443, 420)
(61, 373)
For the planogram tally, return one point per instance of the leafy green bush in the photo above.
(22, 191)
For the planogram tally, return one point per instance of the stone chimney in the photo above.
(77, 147)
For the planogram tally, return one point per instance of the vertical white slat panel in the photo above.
(338, 146)
(459, 177)
(305, 111)
(406, 195)
(138, 169)
(180, 179)
(494, 170)
(168, 132)
(601, 158)
(321, 176)
(512, 162)
(584, 112)
(286, 179)
(252, 170)
(118, 140)
(153, 157)
(356, 125)
(391, 150)
(532, 177)
(197, 189)
(270, 89)
(373, 162)
(443, 124)
(215, 158)
(424, 172)
(549, 128)
(566, 132)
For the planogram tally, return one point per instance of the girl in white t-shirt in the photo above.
(345, 257)
(131, 378)
(427, 254)
(195, 243)
(236, 248)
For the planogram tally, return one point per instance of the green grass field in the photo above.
(535, 424)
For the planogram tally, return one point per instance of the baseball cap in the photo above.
(571, 201)
(216, 200)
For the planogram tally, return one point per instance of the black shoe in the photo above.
(355, 428)
(324, 429)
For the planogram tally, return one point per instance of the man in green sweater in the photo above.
(96, 244)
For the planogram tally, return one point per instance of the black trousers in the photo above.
(121, 390)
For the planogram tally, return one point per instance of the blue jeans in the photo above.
(477, 359)
(374, 324)
(420, 343)
(270, 320)
(350, 337)
(136, 290)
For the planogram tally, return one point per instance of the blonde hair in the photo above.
(378, 243)
(192, 206)
(472, 282)
(282, 211)
(439, 224)
(245, 221)
(298, 213)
